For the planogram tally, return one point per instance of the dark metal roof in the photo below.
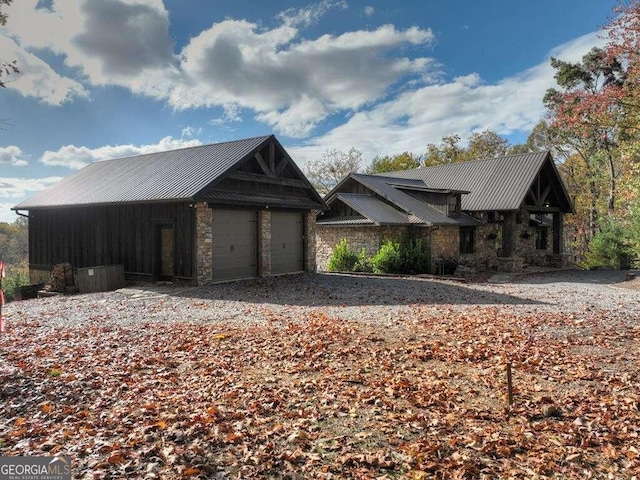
(163, 176)
(345, 221)
(375, 210)
(424, 213)
(494, 184)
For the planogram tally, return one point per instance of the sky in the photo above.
(104, 79)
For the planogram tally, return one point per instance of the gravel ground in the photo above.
(380, 300)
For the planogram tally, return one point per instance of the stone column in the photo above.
(204, 243)
(264, 246)
(509, 234)
(310, 264)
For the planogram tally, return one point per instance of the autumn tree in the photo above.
(325, 172)
(403, 161)
(586, 111)
(6, 67)
(481, 145)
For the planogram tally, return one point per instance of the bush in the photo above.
(407, 258)
(609, 249)
(388, 259)
(363, 264)
(342, 259)
(17, 276)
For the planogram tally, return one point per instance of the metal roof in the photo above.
(424, 213)
(345, 221)
(374, 209)
(494, 184)
(163, 176)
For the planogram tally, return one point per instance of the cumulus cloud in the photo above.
(12, 155)
(37, 79)
(294, 85)
(462, 106)
(74, 157)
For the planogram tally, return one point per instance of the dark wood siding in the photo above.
(110, 235)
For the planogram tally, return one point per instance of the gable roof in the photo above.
(175, 175)
(401, 207)
(499, 183)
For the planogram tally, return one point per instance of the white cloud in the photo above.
(6, 214)
(12, 155)
(71, 156)
(369, 10)
(36, 78)
(310, 14)
(290, 85)
(466, 104)
(14, 187)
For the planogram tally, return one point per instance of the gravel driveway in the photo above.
(381, 300)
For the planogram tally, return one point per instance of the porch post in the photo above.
(557, 232)
(508, 234)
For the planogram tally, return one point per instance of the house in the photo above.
(196, 215)
(502, 213)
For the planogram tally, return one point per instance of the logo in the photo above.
(35, 468)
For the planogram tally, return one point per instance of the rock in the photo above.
(550, 411)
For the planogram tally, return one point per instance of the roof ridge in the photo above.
(183, 148)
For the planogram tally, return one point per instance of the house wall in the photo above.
(110, 235)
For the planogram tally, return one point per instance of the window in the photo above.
(453, 205)
(541, 238)
(467, 239)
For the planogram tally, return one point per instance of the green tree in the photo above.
(481, 145)
(403, 161)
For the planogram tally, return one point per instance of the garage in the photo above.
(235, 244)
(287, 242)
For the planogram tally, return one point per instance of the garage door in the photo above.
(287, 242)
(235, 244)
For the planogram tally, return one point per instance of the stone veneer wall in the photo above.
(264, 242)
(370, 238)
(310, 241)
(204, 243)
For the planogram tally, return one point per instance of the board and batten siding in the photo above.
(111, 235)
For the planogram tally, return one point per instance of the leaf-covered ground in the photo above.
(315, 396)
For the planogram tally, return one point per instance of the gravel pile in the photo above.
(381, 300)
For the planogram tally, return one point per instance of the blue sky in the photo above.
(111, 78)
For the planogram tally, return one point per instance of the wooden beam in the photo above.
(256, 177)
(262, 164)
(284, 161)
(557, 232)
(509, 234)
(272, 157)
(544, 195)
(540, 209)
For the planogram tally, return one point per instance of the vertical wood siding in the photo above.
(110, 235)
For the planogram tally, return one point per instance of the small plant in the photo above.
(55, 372)
(17, 276)
(364, 263)
(342, 258)
(405, 258)
(447, 265)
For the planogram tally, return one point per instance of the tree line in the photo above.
(592, 128)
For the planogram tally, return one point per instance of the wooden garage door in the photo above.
(287, 242)
(235, 244)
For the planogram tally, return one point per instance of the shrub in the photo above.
(609, 249)
(388, 259)
(405, 258)
(363, 263)
(17, 276)
(342, 259)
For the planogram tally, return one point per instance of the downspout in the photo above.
(21, 214)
